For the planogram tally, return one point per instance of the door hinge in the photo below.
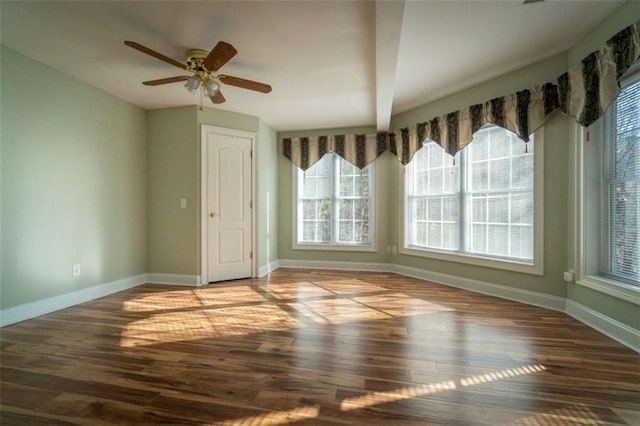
(250, 204)
(251, 154)
(250, 255)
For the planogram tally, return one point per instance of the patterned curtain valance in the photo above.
(359, 150)
(583, 92)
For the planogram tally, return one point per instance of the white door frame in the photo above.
(205, 130)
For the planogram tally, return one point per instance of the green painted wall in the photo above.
(558, 178)
(74, 166)
(173, 173)
(267, 204)
(285, 211)
(621, 310)
(556, 145)
(389, 190)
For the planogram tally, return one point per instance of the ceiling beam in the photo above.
(389, 16)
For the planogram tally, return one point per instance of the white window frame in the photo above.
(370, 247)
(611, 287)
(534, 268)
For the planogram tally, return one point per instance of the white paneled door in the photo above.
(229, 217)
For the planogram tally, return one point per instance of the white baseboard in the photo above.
(529, 297)
(268, 268)
(555, 303)
(335, 265)
(618, 331)
(173, 279)
(26, 311)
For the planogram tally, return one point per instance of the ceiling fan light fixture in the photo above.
(212, 85)
(192, 83)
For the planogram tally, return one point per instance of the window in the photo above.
(608, 196)
(482, 204)
(334, 205)
(621, 188)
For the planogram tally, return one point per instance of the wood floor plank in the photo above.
(313, 347)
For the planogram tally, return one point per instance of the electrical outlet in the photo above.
(183, 203)
(569, 276)
(76, 270)
(389, 249)
(394, 249)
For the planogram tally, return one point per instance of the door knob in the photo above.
(212, 215)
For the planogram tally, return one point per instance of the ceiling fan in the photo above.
(203, 65)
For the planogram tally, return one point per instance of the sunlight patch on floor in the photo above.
(182, 299)
(207, 323)
(380, 397)
(214, 312)
(375, 398)
(274, 418)
(574, 414)
(502, 374)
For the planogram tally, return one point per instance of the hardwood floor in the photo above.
(313, 347)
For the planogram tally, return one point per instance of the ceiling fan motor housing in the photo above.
(195, 58)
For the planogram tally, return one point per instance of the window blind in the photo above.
(621, 187)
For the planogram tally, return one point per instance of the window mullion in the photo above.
(335, 196)
(463, 243)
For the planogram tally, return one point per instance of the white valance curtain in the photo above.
(583, 92)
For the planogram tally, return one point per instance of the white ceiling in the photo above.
(330, 63)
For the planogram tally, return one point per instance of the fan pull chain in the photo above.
(587, 136)
(526, 148)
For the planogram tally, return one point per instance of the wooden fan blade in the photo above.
(165, 80)
(219, 56)
(217, 97)
(155, 54)
(244, 83)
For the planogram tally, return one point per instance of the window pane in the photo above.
(522, 176)
(499, 175)
(521, 242)
(435, 209)
(435, 181)
(496, 204)
(345, 208)
(621, 221)
(499, 142)
(522, 209)
(498, 209)
(479, 176)
(421, 234)
(499, 237)
(450, 209)
(317, 221)
(434, 238)
(346, 185)
(478, 238)
(450, 236)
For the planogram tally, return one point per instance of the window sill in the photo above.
(611, 287)
(334, 247)
(468, 259)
